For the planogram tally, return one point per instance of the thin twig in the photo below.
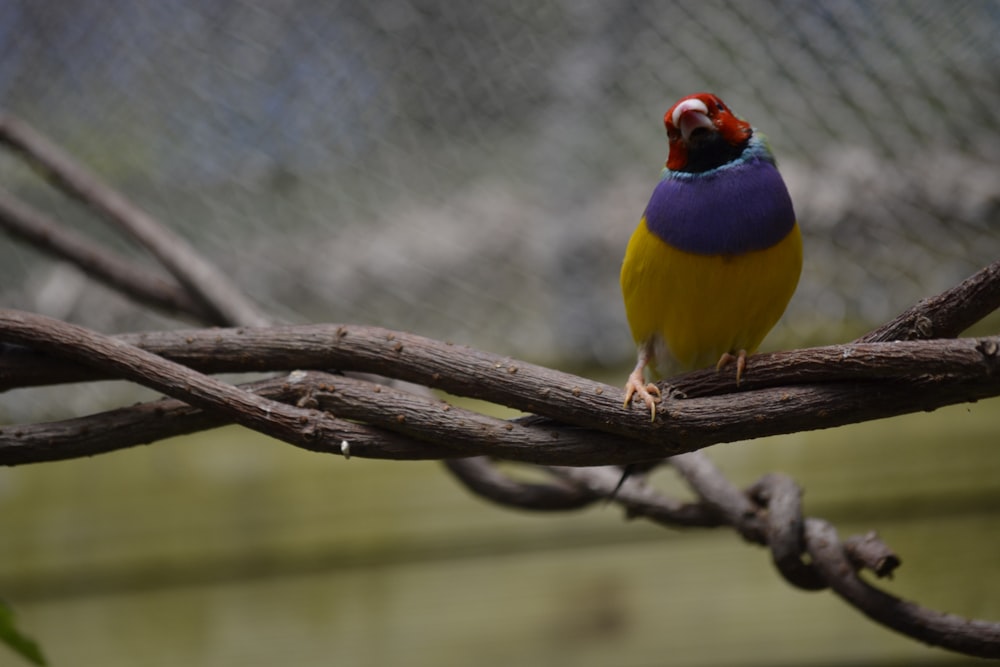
(714, 489)
(639, 500)
(969, 636)
(209, 285)
(946, 315)
(480, 476)
(95, 260)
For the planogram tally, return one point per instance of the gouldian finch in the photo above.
(717, 254)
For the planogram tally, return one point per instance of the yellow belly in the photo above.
(694, 308)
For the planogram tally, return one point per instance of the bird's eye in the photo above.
(720, 106)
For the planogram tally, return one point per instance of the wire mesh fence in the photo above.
(473, 171)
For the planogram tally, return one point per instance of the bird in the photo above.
(717, 254)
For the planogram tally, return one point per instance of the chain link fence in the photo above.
(473, 171)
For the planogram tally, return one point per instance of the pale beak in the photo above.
(691, 115)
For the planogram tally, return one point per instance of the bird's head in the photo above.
(703, 133)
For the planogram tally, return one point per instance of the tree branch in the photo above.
(306, 428)
(946, 315)
(480, 476)
(969, 636)
(206, 283)
(463, 370)
(144, 423)
(945, 372)
(114, 271)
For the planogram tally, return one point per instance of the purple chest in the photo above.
(726, 211)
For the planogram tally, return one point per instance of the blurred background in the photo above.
(473, 172)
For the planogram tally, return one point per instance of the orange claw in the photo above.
(637, 385)
(741, 363)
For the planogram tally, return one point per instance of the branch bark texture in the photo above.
(799, 390)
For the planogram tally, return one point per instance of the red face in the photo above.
(698, 119)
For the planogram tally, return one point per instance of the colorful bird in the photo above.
(717, 254)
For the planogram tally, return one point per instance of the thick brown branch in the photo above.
(964, 370)
(306, 428)
(166, 418)
(465, 432)
(901, 361)
(202, 279)
(469, 372)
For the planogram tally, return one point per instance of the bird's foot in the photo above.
(741, 363)
(648, 392)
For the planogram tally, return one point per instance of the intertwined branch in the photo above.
(586, 425)
(577, 431)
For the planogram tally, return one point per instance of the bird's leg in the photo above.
(741, 363)
(637, 384)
